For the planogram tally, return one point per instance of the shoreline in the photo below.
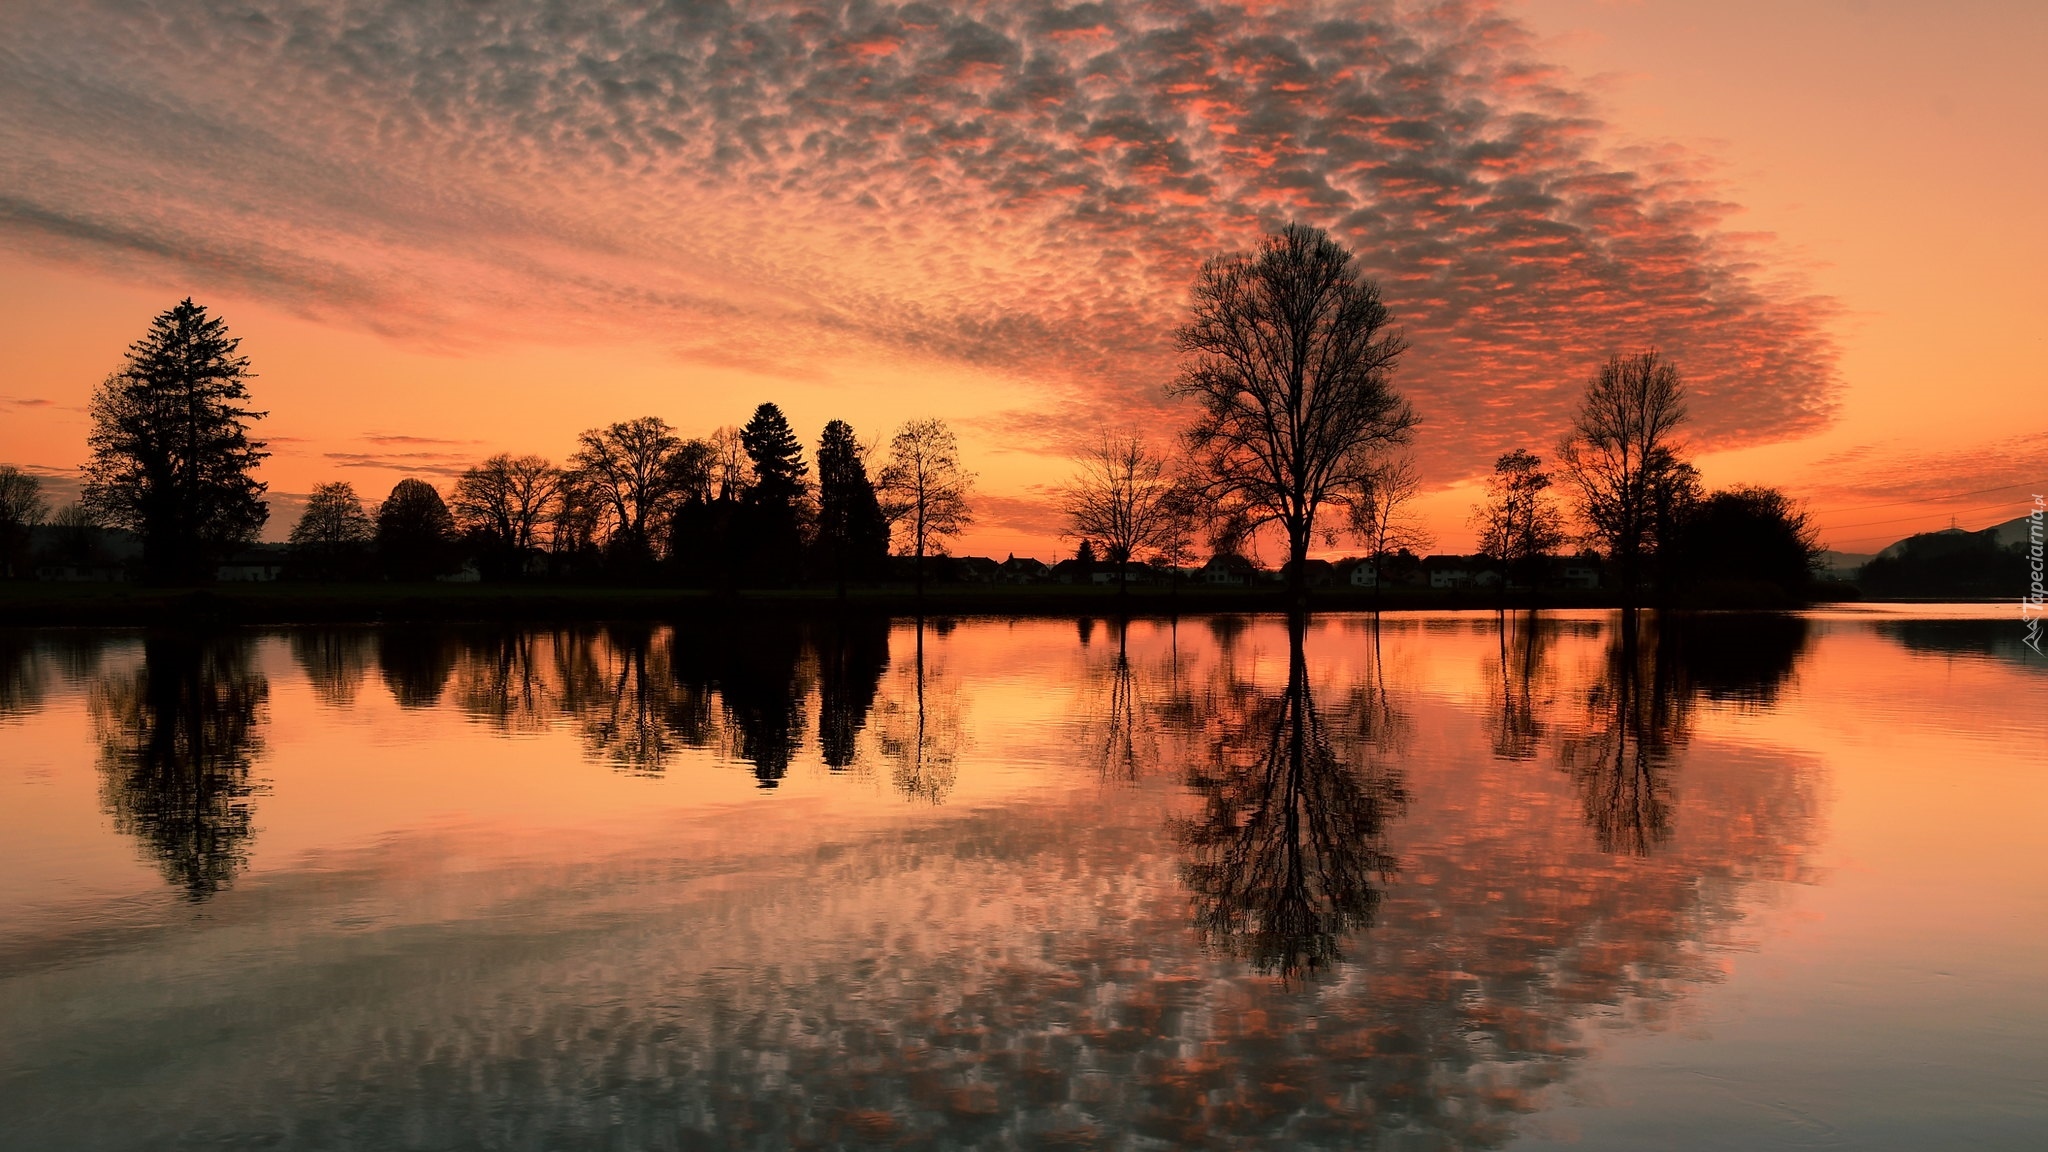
(126, 605)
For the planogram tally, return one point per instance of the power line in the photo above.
(1922, 499)
(1921, 516)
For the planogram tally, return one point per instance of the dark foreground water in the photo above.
(1735, 882)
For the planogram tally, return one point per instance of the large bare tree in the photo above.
(924, 489)
(507, 498)
(1123, 495)
(630, 471)
(1289, 354)
(1623, 460)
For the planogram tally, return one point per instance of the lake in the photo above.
(1446, 881)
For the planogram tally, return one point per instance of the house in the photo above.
(976, 569)
(1022, 570)
(1460, 572)
(1577, 574)
(1072, 572)
(1315, 573)
(1228, 570)
(469, 573)
(251, 565)
(1360, 574)
(1134, 573)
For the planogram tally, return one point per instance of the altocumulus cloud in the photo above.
(1022, 188)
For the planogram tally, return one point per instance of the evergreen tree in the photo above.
(853, 534)
(171, 453)
(775, 506)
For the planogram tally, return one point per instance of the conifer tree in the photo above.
(171, 455)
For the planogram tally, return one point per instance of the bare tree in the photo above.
(629, 470)
(507, 499)
(1383, 516)
(1518, 523)
(1122, 495)
(924, 490)
(731, 469)
(1289, 354)
(1622, 458)
(332, 538)
(22, 508)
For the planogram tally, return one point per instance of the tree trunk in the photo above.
(1297, 574)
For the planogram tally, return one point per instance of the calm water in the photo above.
(1736, 882)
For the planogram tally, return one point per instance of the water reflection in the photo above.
(852, 658)
(334, 661)
(178, 738)
(416, 664)
(1637, 711)
(1288, 851)
(1386, 892)
(920, 733)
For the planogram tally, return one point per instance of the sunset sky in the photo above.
(445, 230)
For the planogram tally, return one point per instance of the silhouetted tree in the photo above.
(631, 475)
(925, 490)
(415, 533)
(178, 738)
(331, 541)
(1121, 495)
(853, 533)
(1747, 537)
(1519, 524)
(1383, 516)
(171, 455)
(777, 505)
(1622, 459)
(502, 504)
(1289, 356)
(22, 508)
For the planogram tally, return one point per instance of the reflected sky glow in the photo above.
(1445, 883)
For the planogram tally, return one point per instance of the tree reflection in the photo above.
(335, 662)
(1639, 710)
(507, 678)
(920, 739)
(852, 657)
(1516, 722)
(1118, 720)
(759, 682)
(32, 665)
(621, 687)
(178, 737)
(416, 664)
(1286, 857)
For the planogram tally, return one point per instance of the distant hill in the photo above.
(1843, 565)
(1988, 563)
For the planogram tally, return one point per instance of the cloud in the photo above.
(410, 463)
(34, 402)
(392, 439)
(1026, 189)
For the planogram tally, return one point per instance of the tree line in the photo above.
(1298, 434)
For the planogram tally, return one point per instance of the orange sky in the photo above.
(442, 236)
